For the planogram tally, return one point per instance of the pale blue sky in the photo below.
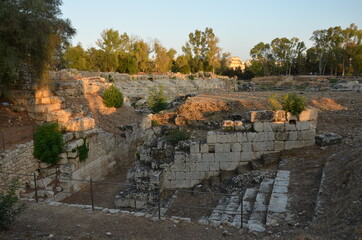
(238, 24)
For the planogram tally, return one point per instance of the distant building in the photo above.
(235, 62)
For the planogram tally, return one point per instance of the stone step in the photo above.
(44, 108)
(49, 100)
(277, 208)
(62, 116)
(80, 124)
(248, 203)
(258, 215)
(216, 215)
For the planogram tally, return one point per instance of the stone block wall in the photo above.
(262, 132)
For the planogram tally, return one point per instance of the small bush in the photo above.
(191, 77)
(292, 103)
(113, 97)
(333, 80)
(176, 135)
(9, 207)
(274, 104)
(157, 100)
(83, 151)
(48, 143)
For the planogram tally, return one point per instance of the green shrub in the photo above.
(274, 103)
(191, 77)
(9, 207)
(176, 135)
(157, 99)
(83, 151)
(292, 103)
(112, 97)
(48, 143)
(333, 80)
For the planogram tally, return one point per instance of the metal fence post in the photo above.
(241, 209)
(91, 193)
(36, 188)
(159, 202)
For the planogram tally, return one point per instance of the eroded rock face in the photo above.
(327, 139)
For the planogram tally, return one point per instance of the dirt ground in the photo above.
(340, 112)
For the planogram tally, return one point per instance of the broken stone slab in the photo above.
(260, 116)
(327, 139)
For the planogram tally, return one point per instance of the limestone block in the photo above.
(294, 144)
(251, 136)
(279, 116)
(292, 135)
(239, 125)
(219, 157)
(208, 157)
(260, 116)
(303, 125)
(202, 166)
(261, 137)
(246, 156)
(67, 168)
(218, 148)
(180, 175)
(290, 127)
(277, 126)
(72, 154)
(211, 174)
(279, 145)
(263, 146)
(44, 165)
(168, 175)
(227, 137)
(309, 115)
(228, 125)
(180, 167)
(236, 147)
(147, 122)
(258, 126)
(306, 135)
(194, 147)
(214, 166)
(63, 161)
(228, 166)
(241, 137)
(179, 157)
(309, 142)
(199, 175)
(267, 127)
(195, 157)
(190, 175)
(313, 124)
(281, 136)
(73, 145)
(271, 136)
(246, 147)
(225, 147)
(211, 137)
(125, 202)
(204, 148)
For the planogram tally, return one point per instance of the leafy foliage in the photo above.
(83, 151)
(48, 143)
(113, 97)
(293, 103)
(157, 99)
(8, 206)
(176, 135)
(32, 39)
(274, 103)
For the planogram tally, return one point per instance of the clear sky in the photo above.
(239, 24)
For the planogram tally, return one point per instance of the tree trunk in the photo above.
(343, 68)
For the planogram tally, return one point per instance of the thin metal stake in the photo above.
(241, 209)
(36, 189)
(159, 203)
(91, 193)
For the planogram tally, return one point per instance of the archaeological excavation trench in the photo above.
(230, 170)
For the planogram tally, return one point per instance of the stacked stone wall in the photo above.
(263, 132)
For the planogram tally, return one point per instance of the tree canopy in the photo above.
(32, 38)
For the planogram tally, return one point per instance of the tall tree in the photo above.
(32, 36)
(75, 57)
(262, 53)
